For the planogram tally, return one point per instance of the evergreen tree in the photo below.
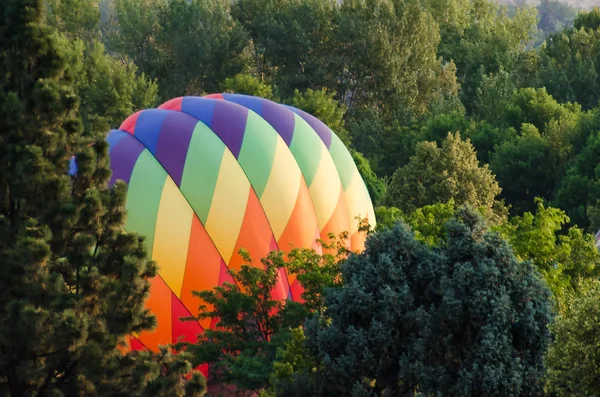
(72, 282)
(462, 319)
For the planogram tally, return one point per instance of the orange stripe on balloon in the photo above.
(255, 234)
(202, 268)
(159, 302)
(338, 223)
(302, 229)
(357, 241)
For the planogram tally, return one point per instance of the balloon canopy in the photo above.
(210, 175)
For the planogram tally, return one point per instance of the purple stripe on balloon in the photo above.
(321, 129)
(280, 118)
(229, 123)
(123, 156)
(173, 143)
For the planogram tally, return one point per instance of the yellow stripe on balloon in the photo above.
(358, 205)
(281, 191)
(173, 228)
(325, 189)
(228, 206)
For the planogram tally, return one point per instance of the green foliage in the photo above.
(377, 187)
(579, 190)
(429, 222)
(568, 65)
(241, 348)
(291, 41)
(488, 41)
(251, 327)
(188, 46)
(247, 84)
(537, 107)
(414, 318)
(493, 94)
(137, 33)
(78, 19)
(571, 359)
(110, 89)
(201, 43)
(387, 52)
(323, 106)
(73, 283)
(563, 259)
(438, 174)
(387, 146)
(524, 168)
(588, 20)
(292, 358)
(387, 217)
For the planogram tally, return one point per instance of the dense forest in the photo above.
(475, 126)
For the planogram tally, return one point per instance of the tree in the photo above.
(465, 319)
(247, 84)
(488, 41)
(376, 187)
(136, 34)
(387, 145)
(579, 190)
(437, 174)
(190, 47)
(563, 257)
(291, 41)
(493, 94)
(78, 19)
(525, 169)
(386, 51)
(72, 283)
(568, 64)
(537, 107)
(201, 44)
(323, 106)
(110, 90)
(251, 327)
(571, 359)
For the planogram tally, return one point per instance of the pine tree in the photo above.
(72, 281)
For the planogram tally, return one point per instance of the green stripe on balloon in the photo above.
(201, 169)
(143, 197)
(343, 161)
(258, 151)
(306, 147)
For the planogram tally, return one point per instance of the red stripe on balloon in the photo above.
(183, 330)
(173, 104)
(129, 123)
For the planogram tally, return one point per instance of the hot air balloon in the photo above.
(210, 175)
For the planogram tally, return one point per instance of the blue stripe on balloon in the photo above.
(147, 127)
(250, 102)
(200, 108)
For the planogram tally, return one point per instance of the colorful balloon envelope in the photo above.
(210, 175)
